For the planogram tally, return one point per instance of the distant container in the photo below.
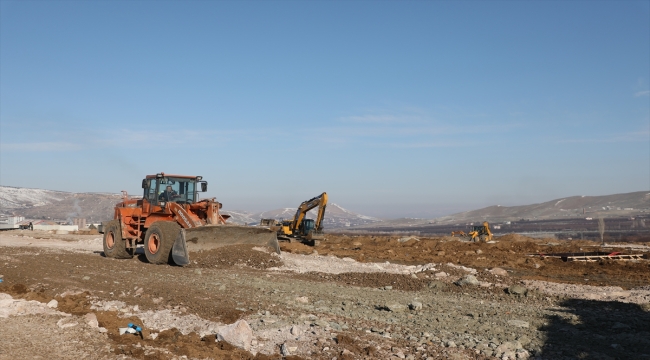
(10, 222)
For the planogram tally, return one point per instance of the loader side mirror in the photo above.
(144, 183)
(204, 186)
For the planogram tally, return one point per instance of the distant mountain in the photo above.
(570, 207)
(335, 216)
(57, 205)
(98, 207)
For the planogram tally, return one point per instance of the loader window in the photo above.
(150, 191)
(181, 191)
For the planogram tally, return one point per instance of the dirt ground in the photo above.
(356, 306)
(508, 252)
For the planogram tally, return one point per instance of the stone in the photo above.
(450, 344)
(238, 334)
(479, 252)
(517, 290)
(53, 304)
(295, 330)
(139, 292)
(91, 320)
(86, 278)
(197, 271)
(302, 299)
(396, 307)
(441, 274)
(522, 354)
(498, 271)
(518, 323)
(466, 280)
(415, 306)
(284, 350)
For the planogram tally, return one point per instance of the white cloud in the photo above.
(642, 93)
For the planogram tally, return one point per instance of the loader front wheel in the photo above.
(159, 240)
(114, 245)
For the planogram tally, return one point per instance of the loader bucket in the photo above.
(215, 236)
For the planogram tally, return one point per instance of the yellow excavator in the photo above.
(480, 232)
(301, 228)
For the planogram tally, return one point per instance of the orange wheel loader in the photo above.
(170, 222)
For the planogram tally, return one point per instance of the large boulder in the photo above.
(467, 280)
(238, 334)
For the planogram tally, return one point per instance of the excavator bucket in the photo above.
(215, 236)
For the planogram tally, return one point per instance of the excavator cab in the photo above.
(306, 227)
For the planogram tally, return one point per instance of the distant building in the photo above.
(80, 222)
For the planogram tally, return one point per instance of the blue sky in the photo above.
(395, 109)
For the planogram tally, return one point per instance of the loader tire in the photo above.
(114, 245)
(159, 240)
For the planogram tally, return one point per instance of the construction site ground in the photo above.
(350, 297)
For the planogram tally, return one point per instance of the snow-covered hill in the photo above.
(335, 216)
(16, 198)
(58, 205)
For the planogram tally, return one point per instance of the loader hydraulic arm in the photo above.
(320, 201)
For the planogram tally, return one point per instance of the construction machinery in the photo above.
(481, 232)
(170, 222)
(478, 233)
(300, 228)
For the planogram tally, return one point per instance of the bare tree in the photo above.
(601, 229)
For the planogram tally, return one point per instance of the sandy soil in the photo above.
(349, 298)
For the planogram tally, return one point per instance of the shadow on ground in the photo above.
(590, 329)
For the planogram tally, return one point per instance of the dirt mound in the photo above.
(237, 255)
(511, 252)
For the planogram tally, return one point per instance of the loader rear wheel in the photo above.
(114, 245)
(159, 240)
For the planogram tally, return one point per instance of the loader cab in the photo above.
(161, 189)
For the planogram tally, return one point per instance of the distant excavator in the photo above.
(300, 228)
(479, 233)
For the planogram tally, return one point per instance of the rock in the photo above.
(302, 299)
(396, 307)
(139, 292)
(222, 287)
(441, 253)
(524, 340)
(238, 334)
(64, 323)
(284, 350)
(450, 344)
(517, 290)
(197, 271)
(499, 271)
(522, 354)
(467, 280)
(295, 330)
(86, 278)
(408, 238)
(91, 320)
(479, 252)
(441, 274)
(388, 288)
(53, 304)
(415, 306)
(437, 284)
(519, 323)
